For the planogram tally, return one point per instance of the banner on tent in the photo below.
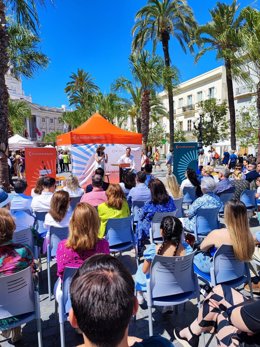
(83, 160)
(39, 162)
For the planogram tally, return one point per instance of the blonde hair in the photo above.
(173, 186)
(83, 228)
(235, 216)
(72, 183)
(115, 196)
(59, 205)
(7, 226)
(208, 169)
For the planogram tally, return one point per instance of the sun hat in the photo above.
(4, 198)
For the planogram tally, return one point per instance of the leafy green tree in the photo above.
(247, 126)
(24, 12)
(156, 135)
(75, 118)
(221, 34)
(25, 58)
(157, 22)
(18, 111)
(214, 122)
(51, 137)
(81, 90)
(180, 136)
(251, 46)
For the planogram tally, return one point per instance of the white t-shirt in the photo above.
(186, 183)
(41, 203)
(74, 193)
(21, 202)
(50, 222)
(124, 159)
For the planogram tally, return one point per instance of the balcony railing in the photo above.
(243, 90)
(188, 108)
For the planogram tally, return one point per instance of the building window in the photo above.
(189, 100)
(51, 120)
(180, 102)
(199, 96)
(43, 120)
(189, 124)
(211, 92)
(60, 120)
(181, 126)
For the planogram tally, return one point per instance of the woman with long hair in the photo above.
(72, 187)
(129, 182)
(83, 240)
(191, 181)
(236, 234)
(171, 231)
(59, 213)
(160, 202)
(173, 186)
(115, 207)
(37, 190)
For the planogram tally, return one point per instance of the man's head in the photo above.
(128, 151)
(148, 168)
(103, 301)
(141, 177)
(20, 186)
(251, 166)
(97, 181)
(100, 171)
(223, 174)
(49, 184)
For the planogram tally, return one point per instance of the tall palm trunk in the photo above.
(4, 96)
(165, 44)
(231, 104)
(139, 125)
(145, 107)
(258, 114)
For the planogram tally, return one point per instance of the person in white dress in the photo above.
(101, 158)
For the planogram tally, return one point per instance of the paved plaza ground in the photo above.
(163, 323)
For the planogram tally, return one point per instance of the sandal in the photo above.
(193, 342)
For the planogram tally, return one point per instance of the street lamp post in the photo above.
(199, 128)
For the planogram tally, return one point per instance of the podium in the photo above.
(122, 167)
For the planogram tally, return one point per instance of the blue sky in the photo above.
(95, 35)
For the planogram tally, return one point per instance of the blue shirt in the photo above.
(223, 185)
(139, 193)
(169, 158)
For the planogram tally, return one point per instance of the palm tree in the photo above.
(18, 111)
(81, 90)
(25, 13)
(250, 35)
(24, 55)
(157, 22)
(221, 35)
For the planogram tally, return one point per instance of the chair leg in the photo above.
(150, 319)
(49, 278)
(62, 335)
(38, 319)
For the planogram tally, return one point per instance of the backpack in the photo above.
(216, 156)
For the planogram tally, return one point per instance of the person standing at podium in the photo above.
(126, 158)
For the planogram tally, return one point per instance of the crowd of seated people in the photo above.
(87, 227)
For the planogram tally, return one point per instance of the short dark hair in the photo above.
(159, 194)
(148, 168)
(102, 297)
(97, 181)
(129, 180)
(20, 186)
(141, 176)
(48, 182)
(100, 171)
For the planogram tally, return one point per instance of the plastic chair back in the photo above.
(119, 231)
(189, 195)
(40, 217)
(156, 222)
(225, 197)
(25, 237)
(206, 221)
(56, 235)
(248, 198)
(16, 294)
(74, 201)
(172, 276)
(136, 206)
(67, 277)
(226, 267)
(178, 204)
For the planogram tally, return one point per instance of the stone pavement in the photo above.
(163, 323)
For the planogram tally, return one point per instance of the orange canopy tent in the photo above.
(98, 130)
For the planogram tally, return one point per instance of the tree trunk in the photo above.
(165, 44)
(4, 96)
(139, 125)
(258, 114)
(145, 107)
(231, 104)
